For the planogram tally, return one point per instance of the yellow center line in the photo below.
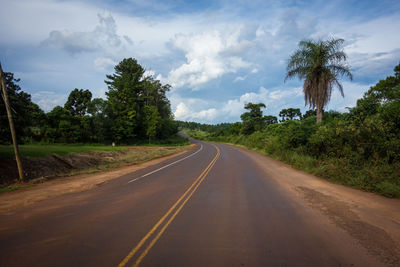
(144, 239)
(144, 253)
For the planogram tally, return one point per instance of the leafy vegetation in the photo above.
(42, 150)
(136, 110)
(320, 64)
(359, 148)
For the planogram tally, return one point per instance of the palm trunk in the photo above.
(319, 114)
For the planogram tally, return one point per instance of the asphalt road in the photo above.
(212, 206)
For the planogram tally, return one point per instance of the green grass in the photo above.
(14, 187)
(42, 150)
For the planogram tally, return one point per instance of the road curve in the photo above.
(212, 206)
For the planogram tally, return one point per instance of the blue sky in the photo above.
(217, 55)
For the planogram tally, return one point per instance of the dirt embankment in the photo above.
(39, 169)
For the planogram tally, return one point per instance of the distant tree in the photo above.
(290, 114)
(78, 102)
(270, 119)
(309, 113)
(320, 64)
(28, 118)
(62, 126)
(253, 119)
(152, 120)
(235, 128)
(384, 94)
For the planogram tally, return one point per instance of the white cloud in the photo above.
(103, 37)
(275, 100)
(37, 18)
(47, 100)
(185, 113)
(104, 64)
(149, 73)
(209, 55)
(255, 70)
(352, 92)
(239, 78)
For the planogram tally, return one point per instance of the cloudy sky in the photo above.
(217, 55)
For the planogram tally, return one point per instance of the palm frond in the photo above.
(320, 64)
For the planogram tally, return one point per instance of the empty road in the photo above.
(215, 205)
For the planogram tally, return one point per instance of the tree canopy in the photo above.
(136, 109)
(320, 64)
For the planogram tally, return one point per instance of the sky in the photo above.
(217, 55)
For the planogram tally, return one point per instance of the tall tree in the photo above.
(136, 102)
(320, 64)
(125, 97)
(253, 119)
(78, 101)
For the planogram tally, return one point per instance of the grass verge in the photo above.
(42, 150)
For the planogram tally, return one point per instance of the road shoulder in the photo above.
(373, 220)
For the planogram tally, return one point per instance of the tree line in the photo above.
(136, 110)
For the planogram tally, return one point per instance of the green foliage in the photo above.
(270, 119)
(253, 119)
(309, 113)
(152, 120)
(320, 64)
(139, 107)
(290, 114)
(136, 109)
(78, 102)
(27, 116)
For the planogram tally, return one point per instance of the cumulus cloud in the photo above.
(209, 55)
(104, 64)
(273, 99)
(231, 110)
(149, 73)
(185, 113)
(47, 100)
(103, 36)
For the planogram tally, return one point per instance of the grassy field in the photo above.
(42, 150)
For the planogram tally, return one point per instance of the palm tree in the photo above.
(320, 64)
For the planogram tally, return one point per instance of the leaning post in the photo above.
(12, 129)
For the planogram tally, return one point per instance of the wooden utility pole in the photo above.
(10, 120)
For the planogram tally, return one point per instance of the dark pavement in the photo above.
(215, 208)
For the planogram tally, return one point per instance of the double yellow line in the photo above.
(177, 207)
